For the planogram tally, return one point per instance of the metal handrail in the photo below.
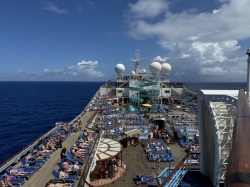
(15, 158)
(83, 180)
(238, 170)
(168, 178)
(24, 151)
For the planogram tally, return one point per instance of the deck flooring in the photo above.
(133, 157)
(43, 175)
(136, 161)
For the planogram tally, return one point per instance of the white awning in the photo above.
(132, 132)
(108, 148)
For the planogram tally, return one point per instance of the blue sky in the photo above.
(84, 40)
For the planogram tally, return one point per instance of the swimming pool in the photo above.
(132, 110)
(143, 135)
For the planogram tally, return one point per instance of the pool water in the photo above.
(143, 135)
(132, 110)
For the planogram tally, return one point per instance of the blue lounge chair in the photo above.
(70, 178)
(26, 176)
(14, 181)
(29, 164)
(71, 159)
(182, 143)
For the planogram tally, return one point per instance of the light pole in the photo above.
(248, 73)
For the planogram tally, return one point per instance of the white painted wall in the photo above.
(125, 92)
(163, 94)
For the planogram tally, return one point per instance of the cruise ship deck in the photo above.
(133, 157)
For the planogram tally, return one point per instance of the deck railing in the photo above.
(86, 171)
(238, 170)
(180, 165)
(15, 159)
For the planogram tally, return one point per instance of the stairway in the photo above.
(171, 179)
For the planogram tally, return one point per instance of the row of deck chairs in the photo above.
(107, 112)
(136, 122)
(183, 143)
(114, 133)
(72, 177)
(30, 167)
(158, 155)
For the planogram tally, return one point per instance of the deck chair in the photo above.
(14, 181)
(69, 157)
(60, 165)
(182, 143)
(30, 165)
(62, 181)
(30, 170)
(26, 176)
(70, 178)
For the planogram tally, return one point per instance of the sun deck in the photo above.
(44, 174)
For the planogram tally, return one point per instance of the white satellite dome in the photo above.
(165, 69)
(119, 69)
(155, 68)
(132, 72)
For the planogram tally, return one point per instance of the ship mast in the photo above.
(137, 60)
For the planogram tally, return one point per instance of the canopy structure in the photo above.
(107, 149)
(147, 105)
(132, 132)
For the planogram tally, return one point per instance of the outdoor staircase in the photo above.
(170, 179)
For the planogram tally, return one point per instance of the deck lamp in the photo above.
(248, 73)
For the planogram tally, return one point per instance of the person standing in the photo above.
(60, 140)
(63, 153)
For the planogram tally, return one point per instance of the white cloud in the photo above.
(160, 59)
(83, 69)
(197, 44)
(50, 6)
(148, 8)
(228, 22)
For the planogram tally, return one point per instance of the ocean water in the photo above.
(29, 109)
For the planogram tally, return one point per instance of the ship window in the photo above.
(167, 91)
(119, 91)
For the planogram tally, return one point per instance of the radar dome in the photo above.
(165, 69)
(132, 73)
(119, 69)
(155, 68)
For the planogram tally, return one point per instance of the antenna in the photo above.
(137, 60)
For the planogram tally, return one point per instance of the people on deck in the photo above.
(60, 140)
(63, 174)
(15, 172)
(5, 182)
(58, 184)
(63, 153)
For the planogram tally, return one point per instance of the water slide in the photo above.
(144, 92)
